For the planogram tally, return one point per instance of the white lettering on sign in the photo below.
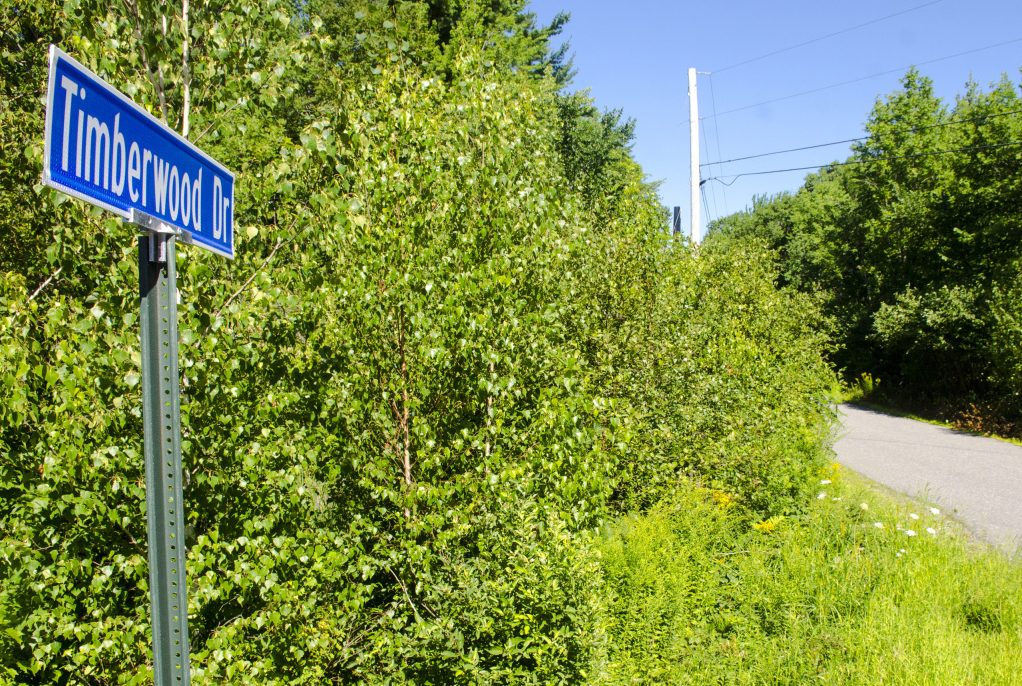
(105, 158)
(105, 149)
(221, 209)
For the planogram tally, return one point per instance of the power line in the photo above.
(866, 78)
(713, 191)
(716, 136)
(933, 153)
(709, 217)
(781, 152)
(913, 129)
(829, 35)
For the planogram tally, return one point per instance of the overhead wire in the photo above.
(866, 78)
(713, 193)
(709, 216)
(846, 163)
(829, 35)
(716, 136)
(716, 114)
(914, 129)
(782, 152)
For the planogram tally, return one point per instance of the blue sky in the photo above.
(635, 56)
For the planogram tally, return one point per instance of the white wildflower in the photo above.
(879, 525)
(909, 533)
(821, 495)
(930, 530)
(863, 506)
(934, 510)
(913, 515)
(824, 482)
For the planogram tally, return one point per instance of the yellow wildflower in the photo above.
(724, 500)
(767, 525)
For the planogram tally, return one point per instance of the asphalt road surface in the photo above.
(977, 480)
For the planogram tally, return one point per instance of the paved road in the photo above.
(978, 480)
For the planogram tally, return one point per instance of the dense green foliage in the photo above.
(914, 244)
(843, 594)
(455, 340)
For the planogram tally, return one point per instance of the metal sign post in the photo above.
(106, 150)
(161, 407)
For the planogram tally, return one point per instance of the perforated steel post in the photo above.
(164, 491)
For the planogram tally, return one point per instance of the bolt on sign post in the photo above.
(104, 149)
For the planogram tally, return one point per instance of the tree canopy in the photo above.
(914, 243)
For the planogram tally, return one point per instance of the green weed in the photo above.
(860, 389)
(862, 589)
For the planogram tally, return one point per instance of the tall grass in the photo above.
(842, 595)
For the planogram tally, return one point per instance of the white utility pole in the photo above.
(693, 124)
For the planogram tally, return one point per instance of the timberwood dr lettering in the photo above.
(102, 156)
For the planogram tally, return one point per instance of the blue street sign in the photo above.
(103, 148)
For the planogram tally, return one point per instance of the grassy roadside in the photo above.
(863, 589)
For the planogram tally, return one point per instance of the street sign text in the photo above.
(103, 148)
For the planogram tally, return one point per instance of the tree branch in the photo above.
(44, 284)
(404, 417)
(404, 588)
(280, 244)
(161, 89)
(150, 72)
(235, 294)
(489, 418)
(186, 72)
